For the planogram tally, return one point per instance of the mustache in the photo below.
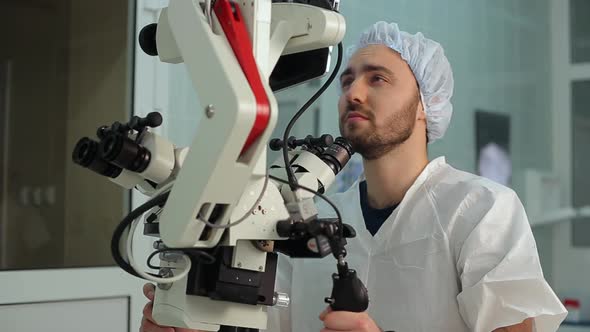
(357, 109)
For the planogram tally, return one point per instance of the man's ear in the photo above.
(420, 114)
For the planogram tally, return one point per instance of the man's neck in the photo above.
(390, 176)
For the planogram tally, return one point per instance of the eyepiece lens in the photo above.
(86, 155)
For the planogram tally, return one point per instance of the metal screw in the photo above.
(263, 211)
(260, 268)
(239, 264)
(165, 286)
(170, 256)
(165, 273)
(281, 299)
(210, 111)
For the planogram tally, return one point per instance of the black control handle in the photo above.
(348, 291)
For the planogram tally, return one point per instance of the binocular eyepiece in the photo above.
(86, 154)
(115, 150)
(337, 155)
(122, 151)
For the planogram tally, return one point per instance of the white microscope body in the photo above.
(220, 202)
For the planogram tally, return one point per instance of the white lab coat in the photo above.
(456, 255)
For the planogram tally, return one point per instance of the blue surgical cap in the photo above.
(429, 64)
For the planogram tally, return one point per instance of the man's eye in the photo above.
(378, 78)
(346, 82)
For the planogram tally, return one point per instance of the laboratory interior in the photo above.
(521, 118)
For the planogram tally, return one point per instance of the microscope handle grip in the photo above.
(348, 293)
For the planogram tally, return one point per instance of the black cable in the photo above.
(339, 216)
(149, 259)
(290, 176)
(125, 223)
(330, 5)
(210, 259)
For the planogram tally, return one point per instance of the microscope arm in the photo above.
(215, 198)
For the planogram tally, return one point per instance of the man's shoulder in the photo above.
(459, 194)
(464, 200)
(451, 183)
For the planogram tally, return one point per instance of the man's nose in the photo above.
(357, 92)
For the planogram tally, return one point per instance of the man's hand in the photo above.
(347, 321)
(147, 323)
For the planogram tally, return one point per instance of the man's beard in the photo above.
(372, 142)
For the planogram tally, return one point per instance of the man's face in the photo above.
(379, 101)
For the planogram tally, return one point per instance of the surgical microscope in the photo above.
(219, 216)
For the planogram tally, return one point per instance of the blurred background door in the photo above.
(66, 68)
(4, 117)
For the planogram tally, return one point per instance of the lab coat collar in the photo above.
(426, 172)
(432, 166)
(372, 243)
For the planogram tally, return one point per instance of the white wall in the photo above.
(571, 266)
(113, 311)
(499, 52)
